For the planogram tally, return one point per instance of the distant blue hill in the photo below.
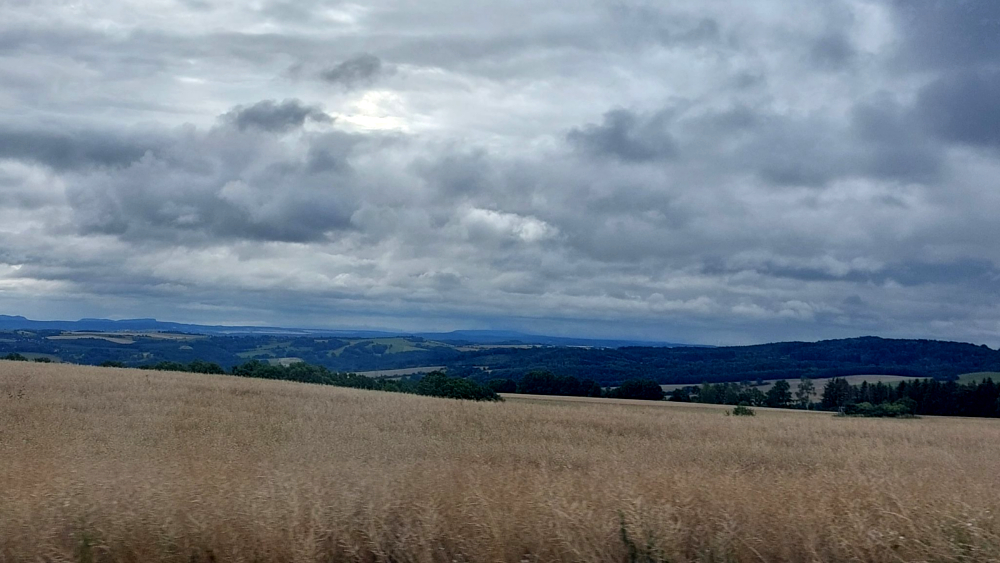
(8, 322)
(510, 337)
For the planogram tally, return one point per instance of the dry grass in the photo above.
(120, 465)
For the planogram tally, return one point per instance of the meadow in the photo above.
(135, 466)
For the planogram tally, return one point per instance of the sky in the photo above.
(713, 172)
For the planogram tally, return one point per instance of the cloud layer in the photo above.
(718, 172)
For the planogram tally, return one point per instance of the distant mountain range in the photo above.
(483, 354)
(8, 322)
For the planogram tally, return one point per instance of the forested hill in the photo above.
(828, 358)
(608, 366)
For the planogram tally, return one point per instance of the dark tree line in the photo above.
(783, 360)
(608, 367)
(434, 384)
(745, 393)
(921, 396)
(547, 383)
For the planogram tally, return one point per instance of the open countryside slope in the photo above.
(122, 465)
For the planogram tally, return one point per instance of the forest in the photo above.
(603, 367)
(924, 396)
(783, 360)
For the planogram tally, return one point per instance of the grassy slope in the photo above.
(979, 376)
(124, 465)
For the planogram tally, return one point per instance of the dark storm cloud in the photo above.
(949, 34)
(68, 149)
(626, 136)
(881, 140)
(360, 69)
(891, 143)
(225, 182)
(963, 107)
(833, 52)
(275, 117)
(705, 171)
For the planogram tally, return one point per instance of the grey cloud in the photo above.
(65, 149)
(624, 135)
(982, 273)
(228, 183)
(780, 170)
(892, 143)
(949, 34)
(962, 107)
(356, 70)
(833, 51)
(269, 115)
(636, 22)
(288, 11)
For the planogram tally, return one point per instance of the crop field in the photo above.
(979, 376)
(124, 337)
(109, 465)
(391, 373)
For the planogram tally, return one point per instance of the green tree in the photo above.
(438, 384)
(805, 392)
(837, 393)
(780, 394)
(503, 385)
(646, 389)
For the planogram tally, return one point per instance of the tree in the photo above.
(201, 366)
(503, 385)
(837, 393)
(680, 395)
(753, 397)
(780, 394)
(438, 384)
(646, 389)
(805, 392)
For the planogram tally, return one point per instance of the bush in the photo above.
(742, 410)
(437, 384)
(899, 409)
(15, 357)
(165, 366)
(201, 366)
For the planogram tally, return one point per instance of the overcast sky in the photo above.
(704, 171)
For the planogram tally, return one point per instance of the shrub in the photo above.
(201, 366)
(15, 357)
(742, 410)
(899, 409)
(437, 384)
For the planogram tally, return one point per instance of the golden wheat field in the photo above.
(121, 465)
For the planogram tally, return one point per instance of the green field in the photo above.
(979, 376)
